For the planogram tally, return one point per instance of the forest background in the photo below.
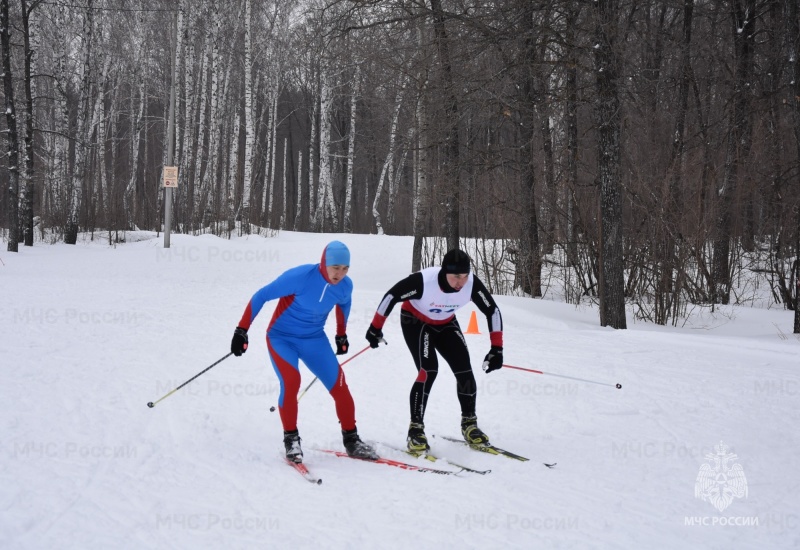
(647, 152)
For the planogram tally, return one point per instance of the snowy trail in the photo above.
(91, 333)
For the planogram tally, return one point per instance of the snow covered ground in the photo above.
(91, 333)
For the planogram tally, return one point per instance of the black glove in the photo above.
(239, 342)
(375, 336)
(493, 359)
(342, 345)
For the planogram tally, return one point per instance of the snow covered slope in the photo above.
(92, 332)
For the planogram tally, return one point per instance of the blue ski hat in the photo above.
(337, 253)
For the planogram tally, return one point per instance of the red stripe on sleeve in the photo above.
(341, 326)
(379, 320)
(247, 317)
(496, 338)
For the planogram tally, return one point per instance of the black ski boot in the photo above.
(471, 432)
(357, 448)
(291, 440)
(417, 441)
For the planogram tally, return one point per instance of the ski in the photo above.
(303, 471)
(492, 450)
(433, 458)
(395, 463)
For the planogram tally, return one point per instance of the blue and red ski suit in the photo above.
(296, 332)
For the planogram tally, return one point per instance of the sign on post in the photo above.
(171, 176)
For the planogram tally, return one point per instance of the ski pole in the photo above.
(152, 404)
(343, 363)
(618, 386)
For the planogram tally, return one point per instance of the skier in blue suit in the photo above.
(306, 295)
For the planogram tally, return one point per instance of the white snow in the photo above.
(92, 332)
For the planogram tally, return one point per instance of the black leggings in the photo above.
(424, 340)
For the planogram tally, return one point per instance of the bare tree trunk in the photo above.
(27, 197)
(249, 135)
(233, 172)
(545, 112)
(394, 184)
(11, 133)
(313, 152)
(284, 179)
(668, 293)
(141, 192)
(421, 199)
(129, 196)
(607, 112)
(451, 164)
(351, 155)
(61, 171)
(201, 154)
(386, 171)
(298, 191)
(78, 185)
(793, 42)
(184, 154)
(738, 149)
(529, 265)
(571, 122)
(99, 124)
(324, 212)
(273, 152)
(422, 168)
(549, 210)
(209, 183)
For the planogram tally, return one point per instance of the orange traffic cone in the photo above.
(473, 325)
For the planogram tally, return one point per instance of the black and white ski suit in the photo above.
(429, 325)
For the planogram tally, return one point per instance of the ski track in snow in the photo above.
(92, 332)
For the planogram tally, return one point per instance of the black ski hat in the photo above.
(455, 261)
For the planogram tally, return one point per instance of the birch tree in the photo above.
(298, 194)
(284, 179)
(249, 133)
(190, 99)
(30, 43)
(234, 208)
(271, 149)
(324, 210)
(207, 184)
(199, 154)
(394, 182)
(313, 157)
(98, 128)
(137, 115)
(351, 154)
(386, 171)
(77, 188)
(59, 189)
(421, 168)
